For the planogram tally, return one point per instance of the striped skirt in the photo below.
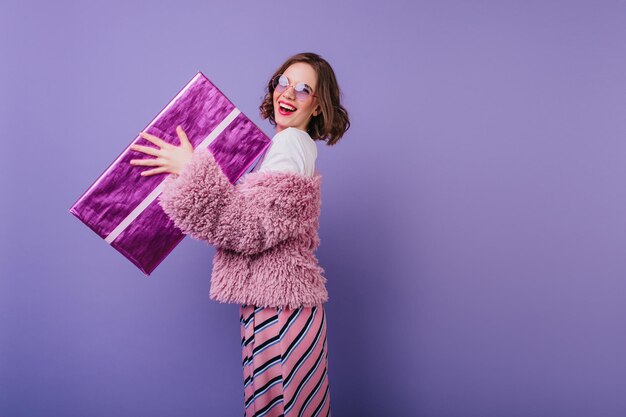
(285, 361)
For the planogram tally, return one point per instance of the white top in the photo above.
(291, 150)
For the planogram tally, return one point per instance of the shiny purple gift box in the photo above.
(122, 207)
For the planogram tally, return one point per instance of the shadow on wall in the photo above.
(355, 251)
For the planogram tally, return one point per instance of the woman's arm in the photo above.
(262, 210)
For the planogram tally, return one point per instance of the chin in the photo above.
(280, 121)
(282, 126)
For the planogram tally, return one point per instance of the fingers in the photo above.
(167, 156)
(147, 162)
(154, 171)
(182, 136)
(145, 149)
(184, 140)
(157, 141)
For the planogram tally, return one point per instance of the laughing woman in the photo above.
(265, 230)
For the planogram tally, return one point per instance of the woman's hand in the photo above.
(169, 158)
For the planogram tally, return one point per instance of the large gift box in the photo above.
(121, 206)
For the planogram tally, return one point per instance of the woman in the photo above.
(265, 232)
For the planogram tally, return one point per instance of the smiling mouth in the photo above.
(287, 107)
(285, 110)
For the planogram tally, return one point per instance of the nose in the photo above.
(289, 92)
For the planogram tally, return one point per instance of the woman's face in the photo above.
(296, 72)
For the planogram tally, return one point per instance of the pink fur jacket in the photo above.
(264, 229)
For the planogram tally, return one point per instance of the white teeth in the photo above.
(286, 106)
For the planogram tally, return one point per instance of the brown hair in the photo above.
(332, 122)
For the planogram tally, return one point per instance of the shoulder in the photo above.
(292, 150)
(298, 143)
(292, 138)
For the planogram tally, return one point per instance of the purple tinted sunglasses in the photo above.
(280, 83)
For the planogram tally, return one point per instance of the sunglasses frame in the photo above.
(276, 83)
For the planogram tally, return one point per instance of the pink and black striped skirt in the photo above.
(285, 361)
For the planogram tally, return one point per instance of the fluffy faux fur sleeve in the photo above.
(262, 210)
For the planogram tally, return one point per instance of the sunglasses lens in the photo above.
(302, 91)
(281, 82)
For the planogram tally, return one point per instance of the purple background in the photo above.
(473, 220)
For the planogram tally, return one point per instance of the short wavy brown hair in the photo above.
(332, 122)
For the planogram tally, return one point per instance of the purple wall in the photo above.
(473, 223)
